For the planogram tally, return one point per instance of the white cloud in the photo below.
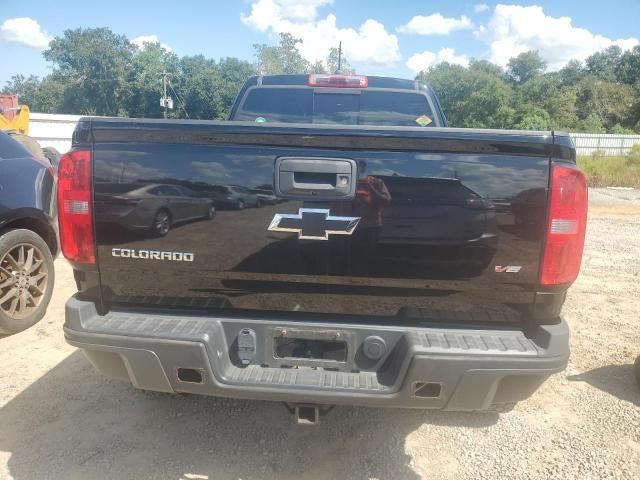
(369, 45)
(435, 24)
(514, 29)
(211, 170)
(422, 61)
(142, 39)
(480, 7)
(266, 13)
(128, 171)
(449, 55)
(25, 31)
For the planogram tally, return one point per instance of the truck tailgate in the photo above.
(447, 224)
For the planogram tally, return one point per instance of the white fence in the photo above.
(56, 130)
(52, 130)
(607, 144)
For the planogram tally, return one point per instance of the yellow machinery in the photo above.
(14, 119)
(13, 116)
(19, 123)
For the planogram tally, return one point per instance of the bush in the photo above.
(612, 171)
(634, 155)
(591, 124)
(619, 129)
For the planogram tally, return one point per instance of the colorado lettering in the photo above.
(152, 255)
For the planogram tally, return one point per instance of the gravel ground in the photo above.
(60, 420)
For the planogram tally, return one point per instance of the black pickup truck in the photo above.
(401, 263)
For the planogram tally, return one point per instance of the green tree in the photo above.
(572, 73)
(286, 58)
(233, 73)
(337, 62)
(619, 129)
(627, 69)
(24, 87)
(95, 64)
(318, 67)
(575, 98)
(546, 93)
(561, 106)
(486, 66)
(282, 58)
(471, 97)
(591, 124)
(525, 66)
(43, 96)
(144, 84)
(198, 85)
(605, 63)
(536, 90)
(610, 102)
(96, 71)
(208, 88)
(534, 119)
(49, 96)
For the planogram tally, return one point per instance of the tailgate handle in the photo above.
(313, 177)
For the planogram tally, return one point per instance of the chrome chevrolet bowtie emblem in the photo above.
(313, 224)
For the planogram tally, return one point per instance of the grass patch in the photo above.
(612, 171)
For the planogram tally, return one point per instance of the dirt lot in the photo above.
(60, 420)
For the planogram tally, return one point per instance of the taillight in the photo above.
(566, 226)
(75, 207)
(339, 81)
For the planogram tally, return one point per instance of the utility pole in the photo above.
(164, 95)
(339, 57)
(165, 101)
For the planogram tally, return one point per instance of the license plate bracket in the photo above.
(302, 346)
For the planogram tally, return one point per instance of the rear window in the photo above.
(395, 108)
(291, 105)
(185, 192)
(171, 191)
(365, 107)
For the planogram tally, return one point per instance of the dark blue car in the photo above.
(28, 238)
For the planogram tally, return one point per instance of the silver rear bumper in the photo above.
(463, 368)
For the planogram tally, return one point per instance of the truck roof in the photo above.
(374, 81)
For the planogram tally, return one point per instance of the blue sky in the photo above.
(379, 37)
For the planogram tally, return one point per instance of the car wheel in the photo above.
(212, 212)
(26, 279)
(240, 205)
(161, 223)
(258, 203)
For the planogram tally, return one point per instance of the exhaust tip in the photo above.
(190, 375)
